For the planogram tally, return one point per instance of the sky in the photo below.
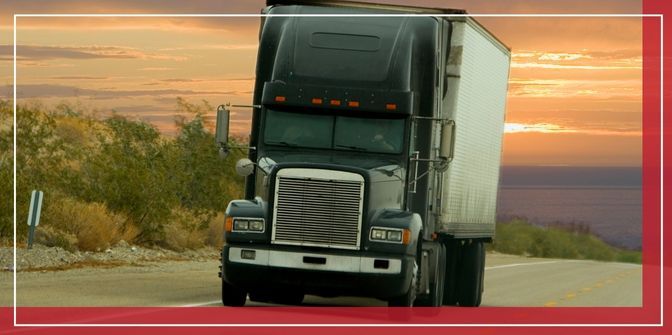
(575, 89)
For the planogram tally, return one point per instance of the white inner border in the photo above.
(660, 324)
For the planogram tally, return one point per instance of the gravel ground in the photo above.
(54, 258)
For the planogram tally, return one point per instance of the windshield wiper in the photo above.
(351, 147)
(282, 143)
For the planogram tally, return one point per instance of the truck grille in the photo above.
(315, 207)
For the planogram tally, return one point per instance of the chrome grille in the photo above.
(318, 211)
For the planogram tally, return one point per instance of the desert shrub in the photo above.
(629, 256)
(186, 229)
(93, 225)
(215, 236)
(53, 237)
(125, 168)
(519, 237)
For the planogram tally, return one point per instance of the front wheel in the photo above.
(406, 299)
(232, 296)
(436, 291)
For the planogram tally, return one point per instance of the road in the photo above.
(509, 281)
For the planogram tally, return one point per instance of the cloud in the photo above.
(155, 68)
(48, 90)
(42, 52)
(580, 60)
(79, 78)
(181, 80)
(565, 88)
(575, 67)
(551, 128)
(215, 47)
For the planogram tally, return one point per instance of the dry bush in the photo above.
(52, 237)
(186, 230)
(215, 236)
(129, 233)
(95, 227)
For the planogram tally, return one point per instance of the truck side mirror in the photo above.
(244, 167)
(222, 130)
(447, 140)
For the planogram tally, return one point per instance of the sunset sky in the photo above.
(575, 92)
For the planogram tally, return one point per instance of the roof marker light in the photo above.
(353, 103)
(391, 107)
(280, 98)
(317, 101)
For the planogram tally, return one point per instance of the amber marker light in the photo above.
(280, 98)
(335, 102)
(406, 238)
(391, 107)
(228, 224)
(353, 103)
(317, 101)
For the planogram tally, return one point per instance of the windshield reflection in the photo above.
(326, 131)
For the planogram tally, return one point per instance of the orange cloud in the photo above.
(550, 128)
(46, 52)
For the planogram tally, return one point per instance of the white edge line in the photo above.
(662, 163)
(14, 167)
(341, 325)
(524, 264)
(200, 304)
(337, 15)
(660, 324)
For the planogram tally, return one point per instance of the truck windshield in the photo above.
(334, 132)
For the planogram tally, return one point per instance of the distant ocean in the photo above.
(608, 200)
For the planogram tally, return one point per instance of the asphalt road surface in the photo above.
(509, 281)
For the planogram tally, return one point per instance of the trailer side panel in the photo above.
(478, 71)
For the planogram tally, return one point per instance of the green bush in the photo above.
(121, 167)
(518, 237)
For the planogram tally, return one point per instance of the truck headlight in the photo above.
(394, 235)
(256, 225)
(240, 225)
(390, 235)
(253, 225)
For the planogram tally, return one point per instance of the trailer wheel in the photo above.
(470, 275)
(450, 282)
(232, 296)
(481, 282)
(406, 299)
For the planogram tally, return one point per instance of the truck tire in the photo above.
(471, 269)
(260, 297)
(289, 298)
(481, 283)
(436, 290)
(450, 281)
(406, 299)
(232, 296)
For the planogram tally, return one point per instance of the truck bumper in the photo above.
(329, 273)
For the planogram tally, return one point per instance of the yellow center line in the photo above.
(571, 295)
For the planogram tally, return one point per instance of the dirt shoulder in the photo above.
(42, 258)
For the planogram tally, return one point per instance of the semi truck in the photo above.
(373, 159)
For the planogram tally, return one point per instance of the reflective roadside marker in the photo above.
(34, 214)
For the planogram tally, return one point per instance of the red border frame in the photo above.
(650, 313)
